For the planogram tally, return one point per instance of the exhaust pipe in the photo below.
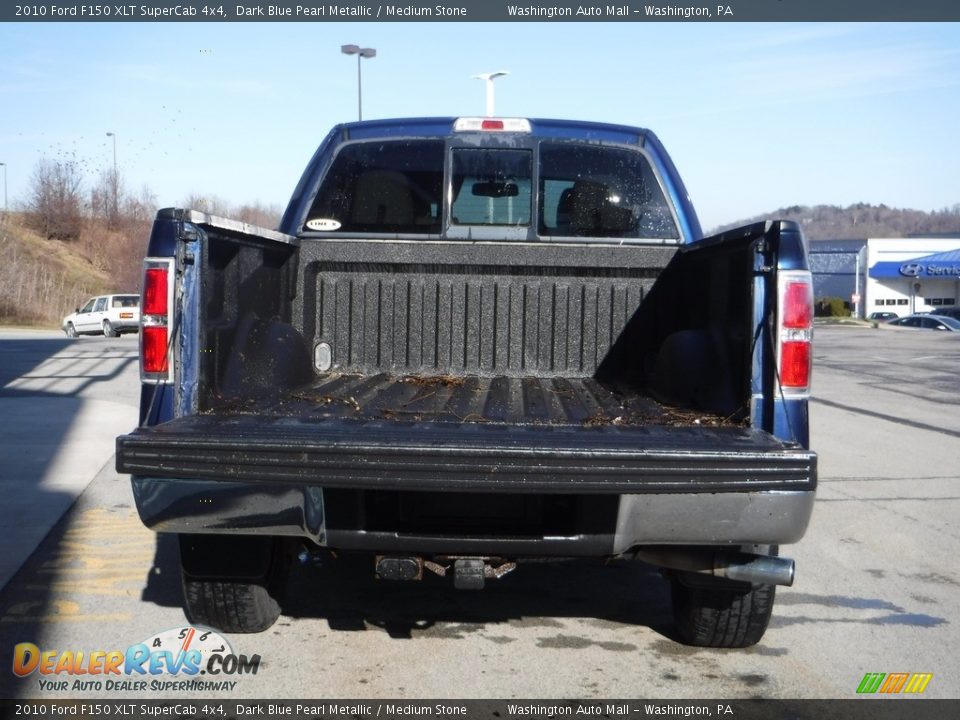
(743, 567)
(759, 569)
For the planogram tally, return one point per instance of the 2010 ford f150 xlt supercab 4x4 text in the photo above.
(474, 342)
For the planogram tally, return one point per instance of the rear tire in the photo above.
(108, 330)
(724, 615)
(233, 583)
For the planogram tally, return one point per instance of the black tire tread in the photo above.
(722, 616)
(229, 606)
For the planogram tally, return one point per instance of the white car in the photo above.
(106, 314)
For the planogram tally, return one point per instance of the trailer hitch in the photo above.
(469, 573)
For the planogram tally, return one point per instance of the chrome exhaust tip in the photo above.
(758, 569)
(739, 566)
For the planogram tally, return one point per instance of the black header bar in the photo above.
(214, 11)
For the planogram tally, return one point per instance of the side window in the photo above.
(601, 191)
(101, 305)
(382, 187)
(89, 306)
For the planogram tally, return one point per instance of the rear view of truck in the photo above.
(472, 343)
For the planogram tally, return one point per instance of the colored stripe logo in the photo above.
(894, 683)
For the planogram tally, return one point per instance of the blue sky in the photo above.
(756, 116)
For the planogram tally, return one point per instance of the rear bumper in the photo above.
(734, 518)
(447, 488)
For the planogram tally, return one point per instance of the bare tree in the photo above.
(207, 203)
(256, 213)
(55, 204)
(267, 216)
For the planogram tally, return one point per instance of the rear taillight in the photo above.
(155, 320)
(795, 331)
(155, 290)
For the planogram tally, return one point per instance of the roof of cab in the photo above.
(443, 127)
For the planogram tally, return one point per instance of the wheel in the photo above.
(233, 583)
(108, 330)
(718, 614)
(715, 612)
(70, 330)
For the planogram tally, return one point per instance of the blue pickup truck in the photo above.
(475, 342)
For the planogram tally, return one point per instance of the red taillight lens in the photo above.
(156, 309)
(155, 291)
(795, 330)
(795, 364)
(492, 125)
(154, 349)
(798, 305)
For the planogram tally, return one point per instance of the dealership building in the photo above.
(909, 275)
(900, 275)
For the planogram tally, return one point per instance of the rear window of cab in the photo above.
(565, 190)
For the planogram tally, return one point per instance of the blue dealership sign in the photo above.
(940, 265)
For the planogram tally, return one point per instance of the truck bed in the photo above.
(471, 368)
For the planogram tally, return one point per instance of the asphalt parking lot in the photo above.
(877, 589)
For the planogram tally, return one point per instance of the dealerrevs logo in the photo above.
(171, 660)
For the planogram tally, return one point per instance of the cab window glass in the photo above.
(101, 305)
(491, 187)
(89, 306)
(601, 191)
(382, 187)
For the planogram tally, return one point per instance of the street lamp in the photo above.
(489, 78)
(114, 183)
(360, 53)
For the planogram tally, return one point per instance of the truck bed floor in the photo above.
(472, 399)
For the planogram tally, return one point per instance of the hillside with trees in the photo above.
(72, 238)
(830, 222)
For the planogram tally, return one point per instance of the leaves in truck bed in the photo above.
(433, 381)
(559, 402)
(319, 399)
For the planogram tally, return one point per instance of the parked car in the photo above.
(882, 315)
(928, 322)
(109, 315)
(952, 312)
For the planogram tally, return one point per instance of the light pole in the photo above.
(360, 53)
(114, 179)
(489, 78)
(4, 166)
